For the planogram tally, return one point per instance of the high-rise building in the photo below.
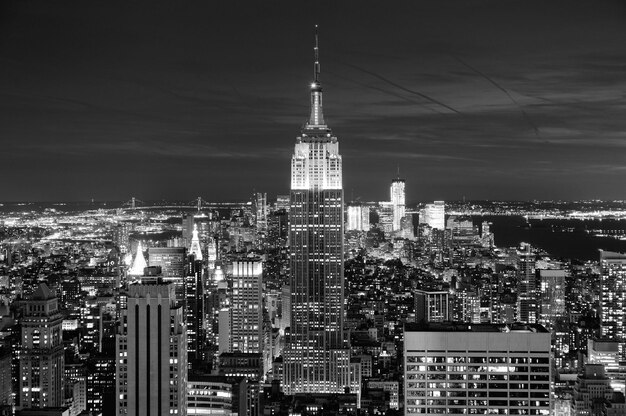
(315, 358)
(358, 218)
(188, 225)
(592, 386)
(246, 333)
(552, 296)
(398, 201)
(613, 297)
(476, 369)
(527, 296)
(261, 211)
(151, 373)
(42, 359)
(435, 215)
(194, 309)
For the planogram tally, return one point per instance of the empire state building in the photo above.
(316, 359)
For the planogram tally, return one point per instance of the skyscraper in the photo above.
(261, 211)
(151, 374)
(42, 358)
(613, 297)
(315, 360)
(398, 200)
(247, 307)
(358, 218)
(435, 214)
(527, 286)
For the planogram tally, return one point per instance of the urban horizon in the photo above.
(318, 286)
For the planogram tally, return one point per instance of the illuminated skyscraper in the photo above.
(398, 201)
(261, 211)
(358, 218)
(527, 302)
(315, 360)
(246, 315)
(613, 297)
(435, 215)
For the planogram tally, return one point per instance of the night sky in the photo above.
(174, 99)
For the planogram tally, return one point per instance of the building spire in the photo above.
(316, 66)
(317, 117)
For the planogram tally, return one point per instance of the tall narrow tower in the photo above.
(398, 201)
(315, 359)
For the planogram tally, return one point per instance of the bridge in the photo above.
(135, 204)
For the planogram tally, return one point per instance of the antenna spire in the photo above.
(316, 49)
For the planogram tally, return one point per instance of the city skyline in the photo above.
(480, 100)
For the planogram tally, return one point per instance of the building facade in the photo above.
(42, 357)
(435, 215)
(476, 369)
(613, 297)
(151, 372)
(246, 334)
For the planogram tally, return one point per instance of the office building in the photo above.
(432, 306)
(435, 215)
(209, 395)
(358, 218)
(246, 334)
(551, 296)
(591, 386)
(456, 368)
(42, 359)
(315, 358)
(613, 297)
(385, 217)
(151, 373)
(261, 212)
(398, 202)
(194, 309)
(188, 225)
(527, 296)
(171, 260)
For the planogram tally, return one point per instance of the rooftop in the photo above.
(466, 327)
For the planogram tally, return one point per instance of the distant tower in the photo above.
(315, 357)
(261, 211)
(194, 247)
(42, 358)
(188, 223)
(151, 378)
(398, 200)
